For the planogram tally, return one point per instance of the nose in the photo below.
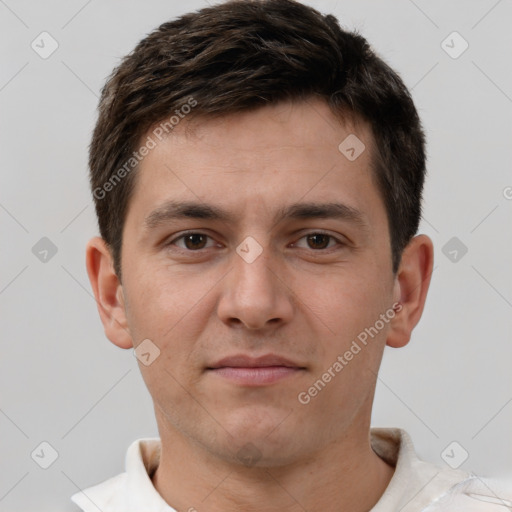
(255, 294)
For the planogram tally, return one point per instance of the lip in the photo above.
(255, 371)
(245, 361)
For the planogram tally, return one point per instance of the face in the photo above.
(254, 238)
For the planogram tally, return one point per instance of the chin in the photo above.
(257, 440)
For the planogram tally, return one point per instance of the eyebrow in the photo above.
(173, 210)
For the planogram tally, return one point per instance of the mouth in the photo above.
(250, 371)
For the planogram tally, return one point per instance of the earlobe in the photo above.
(108, 292)
(411, 287)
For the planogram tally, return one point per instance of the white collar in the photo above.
(415, 483)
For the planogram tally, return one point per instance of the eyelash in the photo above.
(188, 233)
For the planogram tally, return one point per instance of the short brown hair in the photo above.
(241, 55)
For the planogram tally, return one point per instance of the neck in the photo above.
(346, 475)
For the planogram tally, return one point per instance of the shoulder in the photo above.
(419, 485)
(475, 494)
(105, 496)
(124, 491)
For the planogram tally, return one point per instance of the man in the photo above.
(257, 173)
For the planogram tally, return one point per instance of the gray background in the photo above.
(62, 381)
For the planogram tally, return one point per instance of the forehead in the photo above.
(308, 124)
(271, 157)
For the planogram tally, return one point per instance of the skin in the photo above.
(295, 299)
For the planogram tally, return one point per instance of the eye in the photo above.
(318, 241)
(193, 241)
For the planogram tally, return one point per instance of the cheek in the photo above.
(345, 302)
(163, 302)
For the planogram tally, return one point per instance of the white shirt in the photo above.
(416, 486)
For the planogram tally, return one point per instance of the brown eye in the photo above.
(195, 241)
(318, 241)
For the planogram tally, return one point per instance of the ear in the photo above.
(108, 292)
(411, 286)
